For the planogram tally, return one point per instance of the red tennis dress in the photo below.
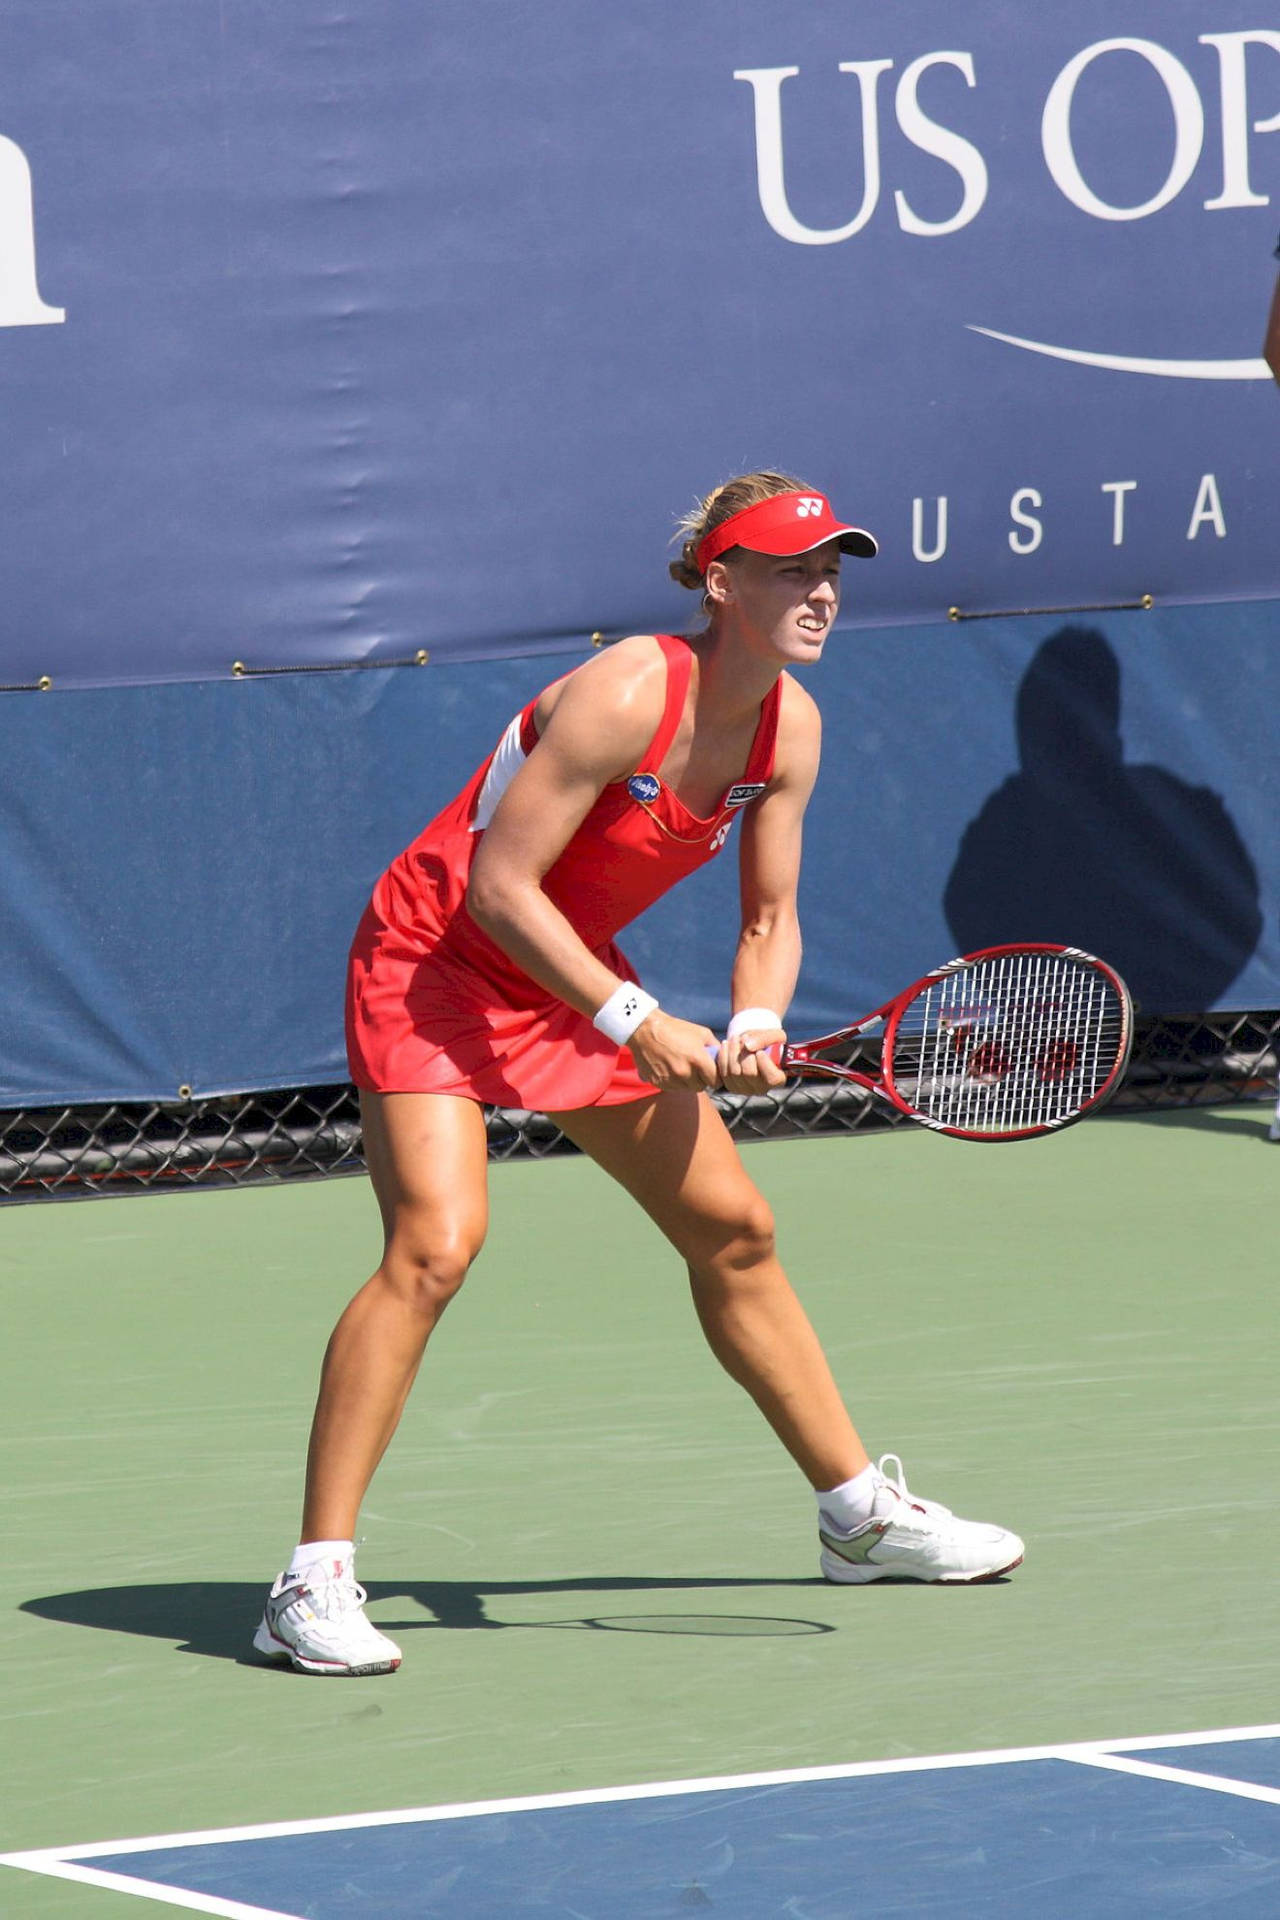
(435, 1006)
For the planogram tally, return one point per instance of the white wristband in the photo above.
(753, 1020)
(623, 1011)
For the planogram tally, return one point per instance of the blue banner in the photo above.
(335, 336)
(183, 866)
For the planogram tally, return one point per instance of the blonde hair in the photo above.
(747, 490)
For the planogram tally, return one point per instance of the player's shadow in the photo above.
(216, 1618)
(1127, 861)
(1242, 1123)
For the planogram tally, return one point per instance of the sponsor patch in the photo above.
(644, 787)
(745, 790)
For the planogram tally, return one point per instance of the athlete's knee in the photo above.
(745, 1236)
(425, 1268)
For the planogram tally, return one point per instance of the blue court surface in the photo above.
(1185, 1824)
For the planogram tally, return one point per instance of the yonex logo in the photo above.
(808, 505)
(719, 837)
(644, 787)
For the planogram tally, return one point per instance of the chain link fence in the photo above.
(75, 1152)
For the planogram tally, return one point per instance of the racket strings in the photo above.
(1014, 1041)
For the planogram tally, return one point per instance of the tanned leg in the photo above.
(674, 1155)
(427, 1156)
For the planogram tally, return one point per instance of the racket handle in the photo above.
(774, 1053)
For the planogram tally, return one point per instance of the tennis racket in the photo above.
(998, 1045)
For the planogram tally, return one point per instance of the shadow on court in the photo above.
(215, 1619)
(1247, 1123)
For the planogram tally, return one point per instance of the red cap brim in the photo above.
(785, 523)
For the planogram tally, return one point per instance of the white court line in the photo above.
(62, 1862)
(151, 1890)
(1182, 1777)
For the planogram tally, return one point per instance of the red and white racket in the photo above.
(999, 1045)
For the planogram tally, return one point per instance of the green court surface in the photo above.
(600, 1565)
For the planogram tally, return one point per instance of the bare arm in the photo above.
(602, 722)
(767, 963)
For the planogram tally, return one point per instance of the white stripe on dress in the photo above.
(508, 758)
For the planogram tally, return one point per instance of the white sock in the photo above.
(310, 1551)
(852, 1503)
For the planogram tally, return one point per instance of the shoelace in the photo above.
(898, 1482)
(334, 1594)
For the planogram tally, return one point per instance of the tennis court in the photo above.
(602, 1568)
(370, 371)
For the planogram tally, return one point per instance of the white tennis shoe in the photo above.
(316, 1621)
(908, 1538)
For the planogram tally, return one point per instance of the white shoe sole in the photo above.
(266, 1643)
(843, 1573)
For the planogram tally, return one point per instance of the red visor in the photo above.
(787, 523)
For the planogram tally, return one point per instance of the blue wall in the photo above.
(330, 335)
(184, 865)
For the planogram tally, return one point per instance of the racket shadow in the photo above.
(214, 1619)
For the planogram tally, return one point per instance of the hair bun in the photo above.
(684, 571)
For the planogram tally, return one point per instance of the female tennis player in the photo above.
(485, 971)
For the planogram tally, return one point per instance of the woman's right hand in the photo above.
(671, 1053)
(749, 1062)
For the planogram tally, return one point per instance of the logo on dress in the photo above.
(644, 787)
(745, 790)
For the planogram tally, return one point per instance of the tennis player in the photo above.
(1271, 344)
(485, 971)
